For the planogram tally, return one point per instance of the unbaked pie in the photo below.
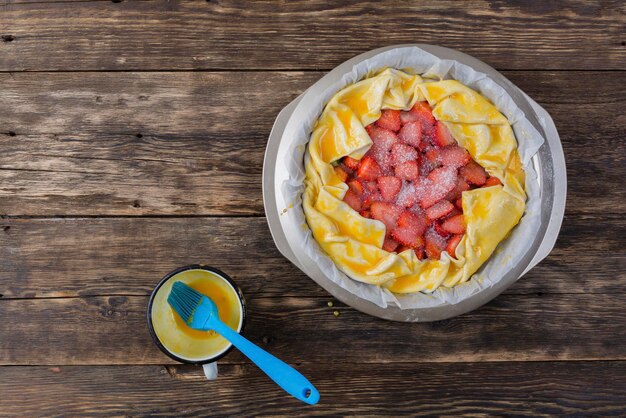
(411, 183)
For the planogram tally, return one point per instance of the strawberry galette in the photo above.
(412, 179)
(411, 183)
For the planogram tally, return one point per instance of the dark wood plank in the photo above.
(177, 143)
(166, 34)
(112, 330)
(86, 257)
(140, 143)
(495, 389)
(69, 257)
(30, 2)
(208, 105)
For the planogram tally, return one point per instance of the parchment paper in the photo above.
(507, 254)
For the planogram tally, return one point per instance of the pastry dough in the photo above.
(354, 242)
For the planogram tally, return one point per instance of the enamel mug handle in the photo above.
(280, 372)
(210, 370)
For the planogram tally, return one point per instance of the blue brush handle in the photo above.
(280, 372)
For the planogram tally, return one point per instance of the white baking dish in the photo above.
(548, 162)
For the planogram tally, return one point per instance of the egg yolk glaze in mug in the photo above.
(180, 339)
(354, 242)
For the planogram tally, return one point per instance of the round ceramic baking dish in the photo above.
(548, 162)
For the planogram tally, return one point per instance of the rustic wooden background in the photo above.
(131, 142)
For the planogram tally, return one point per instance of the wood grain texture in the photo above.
(192, 144)
(475, 389)
(88, 257)
(113, 330)
(168, 34)
(147, 143)
(134, 132)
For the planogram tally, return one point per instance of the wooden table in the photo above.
(131, 142)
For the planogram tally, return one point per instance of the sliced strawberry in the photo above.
(454, 225)
(406, 237)
(424, 113)
(492, 181)
(419, 253)
(435, 244)
(410, 229)
(454, 156)
(408, 170)
(370, 198)
(439, 210)
(442, 181)
(357, 187)
(424, 142)
(440, 231)
(371, 186)
(341, 173)
(401, 153)
(382, 157)
(433, 155)
(442, 136)
(461, 186)
(369, 169)
(407, 196)
(421, 113)
(350, 162)
(416, 223)
(389, 187)
(365, 213)
(382, 138)
(387, 213)
(352, 200)
(431, 197)
(474, 173)
(453, 242)
(390, 245)
(411, 134)
(389, 119)
(432, 250)
(459, 203)
(406, 117)
(454, 212)
(422, 188)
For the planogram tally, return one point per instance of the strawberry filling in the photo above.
(412, 180)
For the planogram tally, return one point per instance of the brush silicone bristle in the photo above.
(184, 300)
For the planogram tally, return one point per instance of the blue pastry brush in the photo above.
(201, 313)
